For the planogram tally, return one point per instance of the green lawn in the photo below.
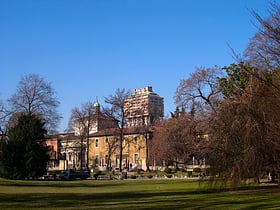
(128, 194)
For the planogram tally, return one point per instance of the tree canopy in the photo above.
(36, 96)
(263, 50)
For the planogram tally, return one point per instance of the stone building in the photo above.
(99, 148)
(69, 151)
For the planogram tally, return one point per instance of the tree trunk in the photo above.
(121, 151)
(81, 154)
(147, 153)
(87, 162)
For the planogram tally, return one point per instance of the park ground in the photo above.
(134, 194)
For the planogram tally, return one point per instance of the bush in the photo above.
(168, 175)
(208, 171)
(150, 176)
(132, 177)
(168, 170)
(197, 170)
(55, 173)
(96, 174)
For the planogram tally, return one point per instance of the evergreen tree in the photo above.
(24, 155)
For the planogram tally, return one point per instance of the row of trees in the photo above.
(236, 106)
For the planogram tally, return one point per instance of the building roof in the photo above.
(101, 133)
(146, 91)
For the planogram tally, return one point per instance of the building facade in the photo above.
(100, 147)
(143, 107)
(104, 152)
(70, 150)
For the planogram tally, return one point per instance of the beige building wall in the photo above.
(104, 147)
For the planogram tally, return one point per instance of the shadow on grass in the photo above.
(138, 200)
(57, 183)
(156, 194)
(82, 183)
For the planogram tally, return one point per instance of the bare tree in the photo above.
(201, 95)
(112, 145)
(263, 50)
(116, 113)
(201, 88)
(35, 96)
(4, 114)
(83, 121)
(178, 139)
(159, 148)
(246, 142)
(146, 130)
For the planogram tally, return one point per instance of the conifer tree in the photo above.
(24, 154)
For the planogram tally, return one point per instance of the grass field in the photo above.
(129, 194)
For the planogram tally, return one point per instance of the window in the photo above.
(106, 140)
(78, 157)
(136, 158)
(96, 143)
(135, 139)
(96, 160)
(107, 159)
(63, 156)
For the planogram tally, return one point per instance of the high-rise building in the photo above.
(143, 107)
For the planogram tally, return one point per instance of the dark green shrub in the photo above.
(169, 175)
(208, 171)
(150, 176)
(168, 170)
(139, 171)
(96, 174)
(132, 177)
(55, 173)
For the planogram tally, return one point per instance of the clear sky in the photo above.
(89, 48)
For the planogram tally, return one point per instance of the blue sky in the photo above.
(89, 48)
